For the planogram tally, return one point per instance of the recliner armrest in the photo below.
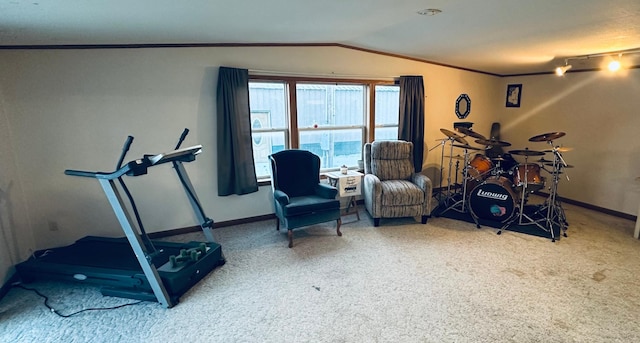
(422, 181)
(326, 191)
(281, 196)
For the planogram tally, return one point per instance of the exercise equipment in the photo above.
(133, 266)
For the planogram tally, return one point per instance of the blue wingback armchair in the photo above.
(300, 198)
(391, 188)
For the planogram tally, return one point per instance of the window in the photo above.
(269, 129)
(387, 112)
(330, 119)
(331, 122)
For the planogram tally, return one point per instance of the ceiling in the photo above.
(502, 37)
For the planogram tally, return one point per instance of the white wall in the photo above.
(73, 109)
(598, 112)
(16, 239)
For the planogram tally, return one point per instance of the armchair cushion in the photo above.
(401, 192)
(389, 160)
(309, 204)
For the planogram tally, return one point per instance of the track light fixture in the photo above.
(614, 65)
(561, 70)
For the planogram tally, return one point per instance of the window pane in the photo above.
(269, 99)
(265, 144)
(330, 105)
(268, 103)
(334, 147)
(387, 105)
(387, 133)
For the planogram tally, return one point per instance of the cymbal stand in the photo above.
(451, 140)
(442, 143)
(461, 204)
(555, 212)
(521, 213)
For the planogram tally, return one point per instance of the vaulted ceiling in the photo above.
(502, 37)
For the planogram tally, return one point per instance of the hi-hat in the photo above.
(546, 137)
(526, 152)
(455, 136)
(492, 142)
(542, 160)
(456, 157)
(466, 146)
(469, 132)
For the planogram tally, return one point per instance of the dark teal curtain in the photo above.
(236, 171)
(411, 123)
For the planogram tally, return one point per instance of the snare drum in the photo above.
(530, 173)
(493, 199)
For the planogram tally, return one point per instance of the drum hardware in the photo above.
(451, 137)
(468, 147)
(492, 142)
(526, 172)
(555, 212)
(526, 152)
(546, 137)
(454, 201)
(469, 132)
(454, 136)
(559, 148)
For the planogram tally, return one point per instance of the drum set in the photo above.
(496, 188)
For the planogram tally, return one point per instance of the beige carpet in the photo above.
(445, 281)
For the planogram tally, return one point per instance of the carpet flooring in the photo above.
(445, 281)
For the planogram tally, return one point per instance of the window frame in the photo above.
(292, 132)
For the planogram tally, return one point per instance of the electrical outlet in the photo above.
(53, 226)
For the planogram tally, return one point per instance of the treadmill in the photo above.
(133, 266)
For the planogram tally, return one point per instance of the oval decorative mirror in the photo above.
(463, 106)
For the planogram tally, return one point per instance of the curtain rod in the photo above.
(325, 75)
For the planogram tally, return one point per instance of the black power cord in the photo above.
(46, 303)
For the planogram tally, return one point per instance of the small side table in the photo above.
(349, 185)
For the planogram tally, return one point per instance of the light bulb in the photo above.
(614, 66)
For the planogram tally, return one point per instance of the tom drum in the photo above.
(478, 170)
(531, 173)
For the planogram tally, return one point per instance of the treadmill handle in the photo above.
(81, 173)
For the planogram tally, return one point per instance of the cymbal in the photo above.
(455, 136)
(456, 157)
(492, 142)
(469, 132)
(561, 165)
(542, 160)
(559, 149)
(546, 137)
(466, 146)
(526, 152)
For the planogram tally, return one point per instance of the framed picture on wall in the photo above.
(514, 93)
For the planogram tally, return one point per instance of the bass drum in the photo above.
(493, 200)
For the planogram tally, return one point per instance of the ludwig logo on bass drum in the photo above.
(492, 195)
